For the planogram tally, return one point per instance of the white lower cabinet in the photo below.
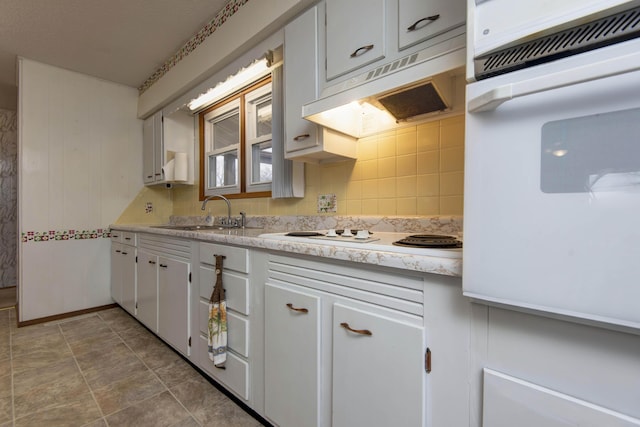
(163, 294)
(292, 356)
(378, 369)
(344, 346)
(235, 279)
(173, 302)
(123, 270)
(147, 303)
(116, 272)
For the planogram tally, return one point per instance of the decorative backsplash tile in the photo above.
(327, 203)
(45, 236)
(229, 10)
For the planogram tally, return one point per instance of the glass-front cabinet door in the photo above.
(222, 139)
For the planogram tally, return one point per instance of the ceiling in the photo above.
(123, 41)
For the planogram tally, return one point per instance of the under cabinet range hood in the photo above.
(415, 87)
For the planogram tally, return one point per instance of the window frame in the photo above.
(251, 101)
(217, 115)
(244, 189)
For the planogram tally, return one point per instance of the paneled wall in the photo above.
(8, 197)
(79, 156)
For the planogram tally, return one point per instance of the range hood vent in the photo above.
(407, 61)
(386, 97)
(416, 101)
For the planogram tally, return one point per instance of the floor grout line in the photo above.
(84, 377)
(73, 336)
(157, 377)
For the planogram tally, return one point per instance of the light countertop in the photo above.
(422, 260)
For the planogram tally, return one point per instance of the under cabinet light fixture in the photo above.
(235, 82)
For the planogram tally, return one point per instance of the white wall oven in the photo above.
(552, 172)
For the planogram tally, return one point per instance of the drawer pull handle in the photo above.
(301, 137)
(118, 251)
(125, 253)
(299, 310)
(361, 50)
(356, 331)
(428, 18)
(127, 238)
(163, 265)
(152, 262)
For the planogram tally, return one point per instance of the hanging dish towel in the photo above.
(217, 336)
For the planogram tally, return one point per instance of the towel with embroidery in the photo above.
(217, 330)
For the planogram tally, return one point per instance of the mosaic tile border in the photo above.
(52, 235)
(221, 17)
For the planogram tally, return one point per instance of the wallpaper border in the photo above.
(221, 17)
(52, 235)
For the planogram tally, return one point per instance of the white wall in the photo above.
(79, 159)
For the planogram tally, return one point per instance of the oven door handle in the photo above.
(492, 99)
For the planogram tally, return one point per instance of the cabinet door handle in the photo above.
(125, 253)
(356, 331)
(149, 176)
(299, 310)
(118, 251)
(428, 18)
(152, 262)
(163, 265)
(427, 361)
(301, 137)
(361, 50)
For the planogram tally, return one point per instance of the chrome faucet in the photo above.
(204, 203)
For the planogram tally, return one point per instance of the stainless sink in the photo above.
(201, 227)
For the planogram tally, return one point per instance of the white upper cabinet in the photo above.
(355, 34)
(152, 158)
(168, 148)
(300, 79)
(360, 40)
(420, 20)
(304, 140)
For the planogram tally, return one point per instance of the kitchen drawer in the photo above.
(509, 401)
(236, 258)
(116, 236)
(128, 238)
(235, 375)
(236, 288)
(238, 333)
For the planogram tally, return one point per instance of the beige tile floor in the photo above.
(8, 297)
(102, 369)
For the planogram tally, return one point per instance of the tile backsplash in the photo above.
(417, 170)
